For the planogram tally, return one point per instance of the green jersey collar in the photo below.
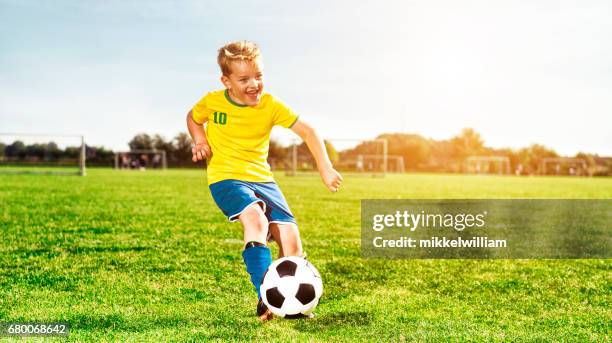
(227, 96)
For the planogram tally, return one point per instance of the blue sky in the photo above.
(518, 72)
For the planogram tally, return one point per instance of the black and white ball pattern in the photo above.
(291, 287)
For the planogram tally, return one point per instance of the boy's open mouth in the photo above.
(253, 94)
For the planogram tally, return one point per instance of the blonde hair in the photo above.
(237, 51)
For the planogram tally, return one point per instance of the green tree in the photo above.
(442, 157)
(468, 143)
(53, 152)
(181, 152)
(141, 141)
(72, 152)
(589, 158)
(159, 142)
(415, 149)
(531, 157)
(16, 150)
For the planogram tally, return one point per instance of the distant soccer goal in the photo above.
(488, 165)
(349, 156)
(564, 166)
(27, 153)
(141, 159)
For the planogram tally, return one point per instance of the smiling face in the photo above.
(245, 82)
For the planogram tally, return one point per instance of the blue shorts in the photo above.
(234, 196)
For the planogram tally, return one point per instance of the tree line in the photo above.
(178, 151)
(418, 153)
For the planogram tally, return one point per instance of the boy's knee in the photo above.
(255, 224)
(253, 215)
(288, 238)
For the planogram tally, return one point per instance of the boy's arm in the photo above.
(200, 150)
(331, 178)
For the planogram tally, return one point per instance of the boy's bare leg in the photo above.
(287, 236)
(258, 258)
(255, 224)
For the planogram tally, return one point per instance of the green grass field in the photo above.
(147, 256)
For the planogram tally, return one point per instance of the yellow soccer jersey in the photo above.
(239, 135)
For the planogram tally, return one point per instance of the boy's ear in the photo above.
(226, 82)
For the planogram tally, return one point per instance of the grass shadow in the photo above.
(119, 322)
(27, 253)
(334, 321)
(102, 249)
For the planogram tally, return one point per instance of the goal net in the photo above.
(22, 153)
(564, 166)
(488, 165)
(349, 156)
(141, 159)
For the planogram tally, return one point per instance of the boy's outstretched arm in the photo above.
(331, 178)
(201, 149)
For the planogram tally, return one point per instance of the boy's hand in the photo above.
(200, 151)
(331, 178)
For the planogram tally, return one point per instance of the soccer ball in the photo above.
(291, 287)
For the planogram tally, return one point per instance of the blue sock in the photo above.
(257, 260)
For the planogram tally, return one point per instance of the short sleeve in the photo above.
(199, 112)
(283, 115)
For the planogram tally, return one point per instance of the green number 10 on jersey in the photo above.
(220, 118)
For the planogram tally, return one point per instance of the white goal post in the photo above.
(349, 156)
(36, 153)
(564, 166)
(482, 164)
(395, 163)
(141, 159)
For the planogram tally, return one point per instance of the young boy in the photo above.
(235, 142)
